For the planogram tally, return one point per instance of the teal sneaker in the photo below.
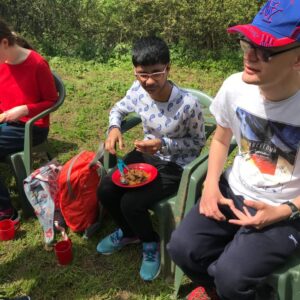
(114, 242)
(150, 267)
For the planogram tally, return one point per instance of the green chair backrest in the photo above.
(28, 127)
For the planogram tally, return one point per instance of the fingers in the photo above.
(228, 202)
(114, 136)
(255, 204)
(239, 214)
(147, 146)
(110, 146)
(244, 218)
(211, 211)
(247, 212)
(247, 223)
(120, 141)
(138, 145)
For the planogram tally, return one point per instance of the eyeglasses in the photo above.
(155, 76)
(260, 52)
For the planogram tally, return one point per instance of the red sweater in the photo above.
(30, 83)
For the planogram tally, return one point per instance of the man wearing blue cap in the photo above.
(247, 222)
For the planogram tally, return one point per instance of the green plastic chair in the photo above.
(22, 162)
(284, 282)
(170, 210)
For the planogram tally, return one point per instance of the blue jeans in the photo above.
(11, 141)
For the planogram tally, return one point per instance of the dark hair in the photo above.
(12, 37)
(6, 33)
(22, 42)
(150, 51)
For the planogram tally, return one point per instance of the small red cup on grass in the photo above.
(63, 251)
(7, 230)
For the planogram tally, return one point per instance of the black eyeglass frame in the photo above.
(266, 55)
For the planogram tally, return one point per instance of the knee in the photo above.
(180, 248)
(129, 206)
(231, 283)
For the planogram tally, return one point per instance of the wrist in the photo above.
(211, 183)
(284, 212)
(110, 128)
(291, 211)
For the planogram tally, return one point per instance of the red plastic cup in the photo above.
(63, 251)
(7, 230)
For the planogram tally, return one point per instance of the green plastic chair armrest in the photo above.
(131, 121)
(183, 195)
(205, 99)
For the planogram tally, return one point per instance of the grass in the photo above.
(25, 266)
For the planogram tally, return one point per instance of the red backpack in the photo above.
(77, 182)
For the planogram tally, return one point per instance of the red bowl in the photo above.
(151, 170)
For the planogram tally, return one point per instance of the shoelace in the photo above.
(115, 237)
(150, 255)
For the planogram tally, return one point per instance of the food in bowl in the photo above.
(135, 176)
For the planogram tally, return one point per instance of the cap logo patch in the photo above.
(270, 9)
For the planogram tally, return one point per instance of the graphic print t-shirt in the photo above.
(268, 135)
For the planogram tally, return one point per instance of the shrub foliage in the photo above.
(100, 28)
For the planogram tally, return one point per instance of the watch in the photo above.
(295, 211)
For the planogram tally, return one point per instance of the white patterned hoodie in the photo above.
(178, 122)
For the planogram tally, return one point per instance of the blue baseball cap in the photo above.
(276, 24)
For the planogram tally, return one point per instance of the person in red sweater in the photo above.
(27, 88)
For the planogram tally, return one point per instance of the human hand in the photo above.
(210, 199)
(265, 214)
(2, 118)
(14, 114)
(114, 137)
(148, 146)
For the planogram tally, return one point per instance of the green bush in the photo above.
(100, 29)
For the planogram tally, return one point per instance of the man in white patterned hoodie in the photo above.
(173, 136)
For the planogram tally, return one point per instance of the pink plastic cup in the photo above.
(7, 230)
(63, 251)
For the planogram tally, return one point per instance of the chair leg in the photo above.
(166, 226)
(20, 174)
(177, 281)
(49, 156)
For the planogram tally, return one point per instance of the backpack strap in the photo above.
(99, 155)
(94, 162)
(70, 190)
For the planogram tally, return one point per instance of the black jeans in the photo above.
(11, 141)
(129, 206)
